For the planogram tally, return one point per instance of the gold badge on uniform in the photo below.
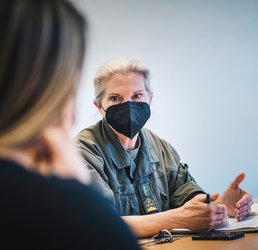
(150, 205)
(147, 198)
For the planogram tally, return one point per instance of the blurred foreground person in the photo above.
(44, 204)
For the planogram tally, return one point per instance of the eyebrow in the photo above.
(141, 90)
(113, 93)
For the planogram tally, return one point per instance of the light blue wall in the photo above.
(203, 56)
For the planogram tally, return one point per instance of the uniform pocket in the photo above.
(126, 200)
(159, 184)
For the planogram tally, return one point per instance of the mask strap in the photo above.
(103, 108)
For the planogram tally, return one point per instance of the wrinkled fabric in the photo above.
(157, 169)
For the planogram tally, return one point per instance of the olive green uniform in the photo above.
(151, 181)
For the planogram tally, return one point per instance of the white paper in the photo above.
(250, 222)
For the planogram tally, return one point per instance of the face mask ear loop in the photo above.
(103, 108)
(104, 111)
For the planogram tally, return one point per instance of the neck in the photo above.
(127, 142)
(22, 157)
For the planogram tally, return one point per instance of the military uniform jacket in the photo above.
(155, 181)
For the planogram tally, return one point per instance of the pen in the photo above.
(208, 199)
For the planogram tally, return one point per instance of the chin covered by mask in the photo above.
(128, 118)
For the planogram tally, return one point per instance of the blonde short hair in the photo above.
(117, 65)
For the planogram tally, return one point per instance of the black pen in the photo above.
(208, 199)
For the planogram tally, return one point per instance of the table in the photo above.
(249, 242)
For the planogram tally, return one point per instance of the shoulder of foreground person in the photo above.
(99, 221)
(57, 213)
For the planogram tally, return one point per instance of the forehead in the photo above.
(121, 82)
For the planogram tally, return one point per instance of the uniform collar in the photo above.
(117, 152)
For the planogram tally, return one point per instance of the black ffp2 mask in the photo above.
(128, 118)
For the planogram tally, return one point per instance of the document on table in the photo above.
(249, 224)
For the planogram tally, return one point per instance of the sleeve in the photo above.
(183, 186)
(95, 165)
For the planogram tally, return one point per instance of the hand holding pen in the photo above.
(208, 199)
(202, 214)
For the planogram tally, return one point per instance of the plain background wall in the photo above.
(203, 57)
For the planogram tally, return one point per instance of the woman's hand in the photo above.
(238, 201)
(200, 216)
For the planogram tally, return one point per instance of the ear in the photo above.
(99, 107)
(43, 156)
(64, 159)
(97, 104)
(46, 146)
(61, 127)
